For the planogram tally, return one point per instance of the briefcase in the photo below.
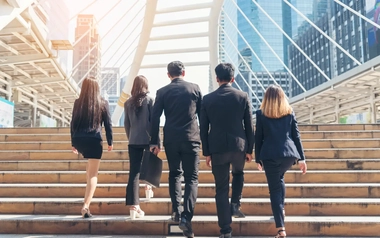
(151, 169)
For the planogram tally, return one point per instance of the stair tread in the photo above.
(149, 236)
(202, 160)
(123, 132)
(165, 218)
(116, 151)
(200, 171)
(199, 200)
(126, 141)
(200, 185)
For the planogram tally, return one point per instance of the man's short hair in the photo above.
(175, 68)
(225, 72)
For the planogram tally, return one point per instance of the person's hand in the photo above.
(208, 161)
(75, 151)
(110, 147)
(259, 166)
(248, 158)
(155, 149)
(303, 166)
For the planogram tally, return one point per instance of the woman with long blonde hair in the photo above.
(277, 147)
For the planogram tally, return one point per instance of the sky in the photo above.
(120, 39)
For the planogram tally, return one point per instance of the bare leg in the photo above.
(92, 169)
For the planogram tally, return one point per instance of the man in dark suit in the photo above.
(181, 103)
(227, 139)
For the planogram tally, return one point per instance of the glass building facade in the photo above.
(280, 13)
(345, 28)
(358, 38)
(228, 39)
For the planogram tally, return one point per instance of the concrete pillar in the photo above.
(9, 89)
(63, 118)
(372, 105)
(214, 40)
(51, 110)
(311, 116)
(34, 112)
(337, 111)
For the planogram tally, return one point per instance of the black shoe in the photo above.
(186, 227)
(175, 217)
(235, 211)
(228, 235)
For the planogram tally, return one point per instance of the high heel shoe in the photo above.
(148, 192)
(279, 234)
(86, 213)
(136, 213)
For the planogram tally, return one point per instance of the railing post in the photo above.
(311, 116)
(9, 88)
(337, 111)
(34, 112)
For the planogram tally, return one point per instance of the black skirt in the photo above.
(89, 147)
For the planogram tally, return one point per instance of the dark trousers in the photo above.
(275, 171)
(187, 155)
(221, 171)
(135, 157)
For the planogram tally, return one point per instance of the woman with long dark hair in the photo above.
(137, 123)
(277, 147)
(89, 113)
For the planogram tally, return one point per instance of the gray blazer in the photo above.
(137, 124)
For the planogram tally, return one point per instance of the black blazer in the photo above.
(226, 122)
(181, 103)
(277, 138)
(77, 131)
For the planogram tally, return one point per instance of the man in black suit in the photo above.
(181, 103)
(227, 139)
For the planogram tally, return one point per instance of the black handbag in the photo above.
(151, 169)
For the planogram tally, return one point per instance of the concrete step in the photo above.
(65, 130)
(202, 225)
(123, 145)
(341, 153)
(50, 137)
(204, 206)
(205, 190)
(128, 236)
(123, 165)
(36, 137)
(120, 129)
(339, 127)
(339, 134)
(250, 176)
(145, 236)
(340, 143)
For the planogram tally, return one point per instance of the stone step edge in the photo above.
(121, 151)
(165, 185)
(165, 161)
(198, 218)
(123, 133)
(124, 141)
(200, 171)
(347, 200)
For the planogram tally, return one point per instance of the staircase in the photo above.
(42, 184)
